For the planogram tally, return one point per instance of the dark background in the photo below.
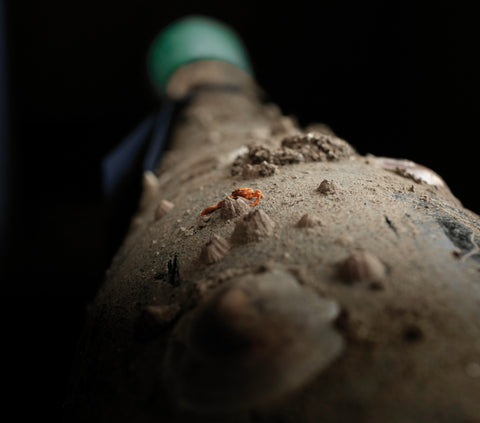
(397, 82)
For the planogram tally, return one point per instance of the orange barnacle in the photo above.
(244, 192)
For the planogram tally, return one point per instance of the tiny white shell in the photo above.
(409, 169)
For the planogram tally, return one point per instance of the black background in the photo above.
(397, 82)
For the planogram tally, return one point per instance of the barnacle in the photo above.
(150, 189)
(214, 250)
(361, 266)
(255, 339)
(163, 207)
(234, 207)
(253, 227)
(308, 221)
(326, 187)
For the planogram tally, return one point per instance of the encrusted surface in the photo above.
(411, 329)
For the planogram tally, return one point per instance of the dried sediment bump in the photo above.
(326, 187)
(214, 250)
(255, 339)
(296, 148)
(258, 154)
(267, 169)
(253, 227)
(308, 221)
(263, 169)
(361, 266)
(163, 207)
(258, 162)
(319, 147)
(234, 207)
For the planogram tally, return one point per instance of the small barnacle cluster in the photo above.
(251, 226)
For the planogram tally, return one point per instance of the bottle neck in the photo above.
(222, 104)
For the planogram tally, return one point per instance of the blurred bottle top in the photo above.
(191, 39)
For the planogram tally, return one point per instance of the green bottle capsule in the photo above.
(190, 39)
